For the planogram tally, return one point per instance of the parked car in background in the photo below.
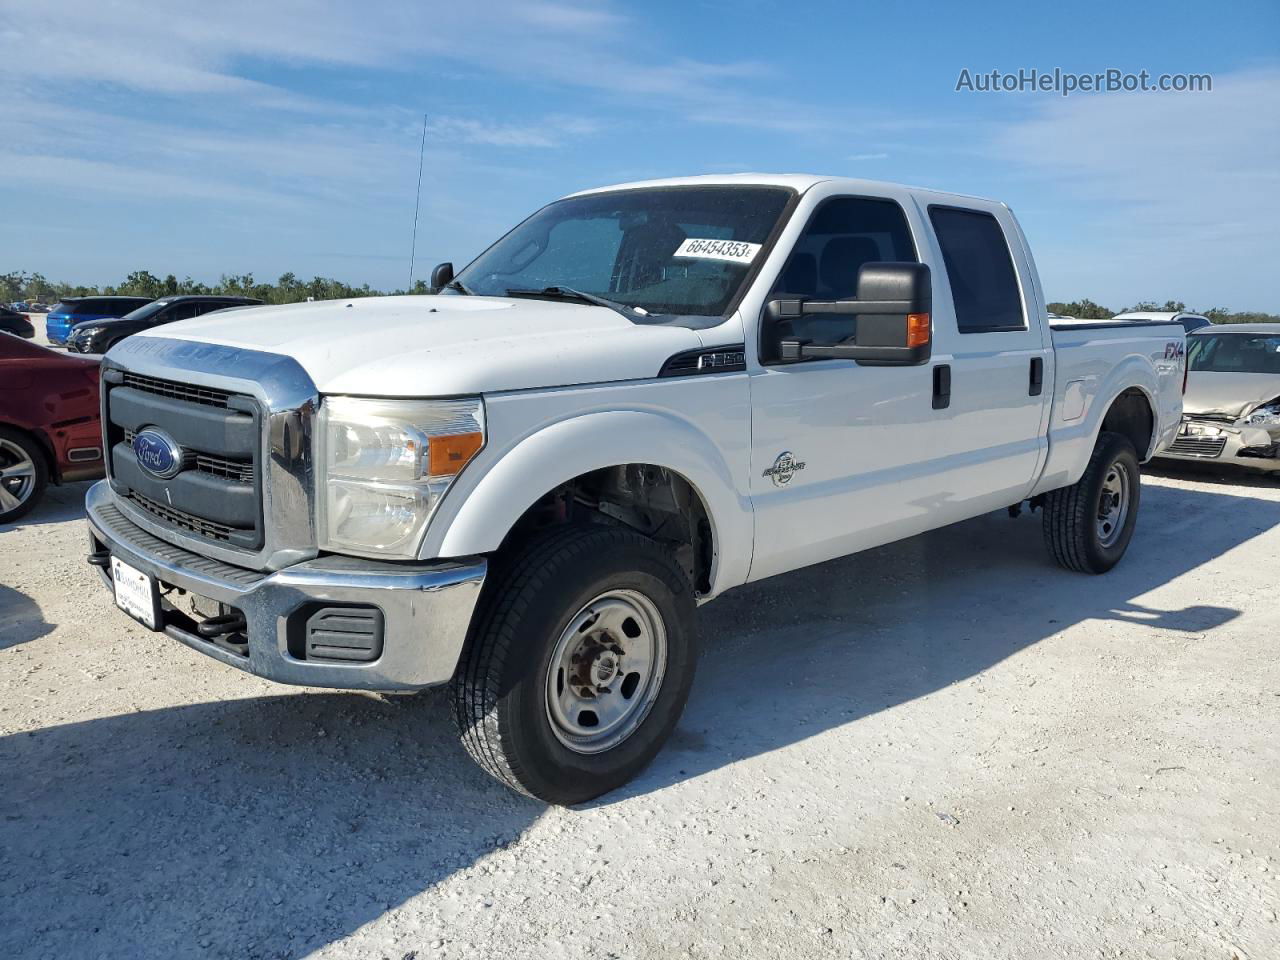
(16, 322)
(37, 308)
(67, 313)
(50, 428)
(1231, 410)
(99, 336)
(1189, 321)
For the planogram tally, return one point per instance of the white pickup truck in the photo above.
(640, 397)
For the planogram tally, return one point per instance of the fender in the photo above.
(1071, 443)
(476, 514)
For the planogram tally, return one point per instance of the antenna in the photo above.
(417, 201)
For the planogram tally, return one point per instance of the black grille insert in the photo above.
(180, 518)
(218, 494)
(209, 396)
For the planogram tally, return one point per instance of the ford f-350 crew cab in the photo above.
(638, 398)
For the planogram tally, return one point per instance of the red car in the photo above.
(50, 429)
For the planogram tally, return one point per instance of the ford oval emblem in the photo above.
(157, 453)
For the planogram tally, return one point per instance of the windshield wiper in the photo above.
(568, 293)
(457, 285)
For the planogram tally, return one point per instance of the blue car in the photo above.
(67, 313)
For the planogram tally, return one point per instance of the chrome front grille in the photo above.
(1192, 446)
(243, 419)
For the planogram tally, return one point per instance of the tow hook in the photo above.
(221, 626)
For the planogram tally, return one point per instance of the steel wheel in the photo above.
(606, 671)
(1113, 504)
(17, 476)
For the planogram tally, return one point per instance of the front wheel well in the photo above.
(653, 500)
(1130, 415)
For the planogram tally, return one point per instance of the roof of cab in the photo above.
(800, 182)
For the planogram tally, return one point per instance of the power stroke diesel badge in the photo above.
(783, 469)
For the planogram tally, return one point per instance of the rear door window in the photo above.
(984, 285)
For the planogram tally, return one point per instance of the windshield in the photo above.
(148, 311)
(673, 250)
(1235, 352)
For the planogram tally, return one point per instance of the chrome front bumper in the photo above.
(426, 608)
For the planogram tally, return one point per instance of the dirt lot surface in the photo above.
(947, 748)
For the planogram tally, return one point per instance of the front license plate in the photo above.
(136, 594)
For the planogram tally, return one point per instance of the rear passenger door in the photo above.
(997, 346)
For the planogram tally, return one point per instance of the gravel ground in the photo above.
(946, 748)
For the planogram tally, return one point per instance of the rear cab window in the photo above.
(980, 271)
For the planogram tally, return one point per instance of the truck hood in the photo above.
(1228, 394)
(444, 345)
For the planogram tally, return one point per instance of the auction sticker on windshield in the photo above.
(732, 250)
(136, 593)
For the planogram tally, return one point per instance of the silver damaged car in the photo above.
(1231, 411)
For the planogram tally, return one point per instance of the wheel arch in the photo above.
(602, 450)
(1132, 414)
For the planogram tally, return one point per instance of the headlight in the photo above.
(385, 464)
(1267, 415)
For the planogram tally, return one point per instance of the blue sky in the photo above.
(248, 136)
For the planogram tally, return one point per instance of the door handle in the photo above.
(1037, 377)
(941, 386)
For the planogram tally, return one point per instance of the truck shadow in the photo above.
(787, 658)
(272, 826)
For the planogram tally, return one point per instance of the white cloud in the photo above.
(1180, 181)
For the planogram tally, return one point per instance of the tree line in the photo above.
(1086, 309)
(289, 288)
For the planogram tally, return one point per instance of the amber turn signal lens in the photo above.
(449, 453)
(918, 329)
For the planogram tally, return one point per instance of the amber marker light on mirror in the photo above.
(918, 329)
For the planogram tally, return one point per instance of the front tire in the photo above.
(579, 663)
(1088, 525)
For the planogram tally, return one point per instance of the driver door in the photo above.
(842, 454)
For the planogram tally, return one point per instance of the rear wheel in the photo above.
(23, 474)
(579, 663)
(1088, 525)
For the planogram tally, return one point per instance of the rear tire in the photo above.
(579, 663)
(1088, 525)
(24, 473)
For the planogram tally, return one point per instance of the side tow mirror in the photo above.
(441, 276)
(893, 325)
